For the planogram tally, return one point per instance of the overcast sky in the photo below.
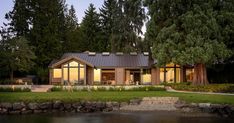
(80, 7)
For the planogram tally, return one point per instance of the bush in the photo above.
(9, 89)
(221, 88)
(57, 88)
(114, 88)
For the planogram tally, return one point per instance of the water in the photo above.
(116, 117)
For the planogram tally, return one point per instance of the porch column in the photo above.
(155, 75)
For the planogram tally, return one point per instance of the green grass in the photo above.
(110, 96)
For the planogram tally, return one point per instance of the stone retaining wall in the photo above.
(145, 104)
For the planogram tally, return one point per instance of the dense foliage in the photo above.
(190, 33)
(179, 31)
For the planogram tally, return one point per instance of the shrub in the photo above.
(221, 88)
(9, 89)
(57, 88)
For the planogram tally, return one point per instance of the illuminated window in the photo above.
(146, 76)
(73, 76)
(189, 74)
(65, 74)
(73, 64)
(57, 73)
(81, 74)
(171, 73)
(73, 73)
(97, 75)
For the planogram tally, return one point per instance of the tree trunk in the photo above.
(200, 76)
(12, 76)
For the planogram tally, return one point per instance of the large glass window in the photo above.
(57, 73)
(189, 74)
(73, 73)
(97, 75)
(170, 73)
(65, 74)
(73, 76)
(146, 76)
(108, 76)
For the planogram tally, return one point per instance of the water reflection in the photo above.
(122, 117)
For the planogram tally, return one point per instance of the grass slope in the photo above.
(110, 96)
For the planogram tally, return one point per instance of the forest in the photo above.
(194, 32)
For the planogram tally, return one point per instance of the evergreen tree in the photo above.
(20, 18)
(122, 21)
(107, 17)
(90, 28)
(186, 32)
(17, 55)
(72, 34)
(47, 32)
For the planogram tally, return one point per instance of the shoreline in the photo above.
(146, 104)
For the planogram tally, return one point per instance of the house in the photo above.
(90, 68)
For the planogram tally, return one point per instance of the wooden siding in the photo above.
(119, 76)
(155, 75)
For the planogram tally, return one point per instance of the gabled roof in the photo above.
(110, 60)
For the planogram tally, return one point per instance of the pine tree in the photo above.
(107, 17)
(90, 28)
(20, 18)
(47, 32)
(72, 34)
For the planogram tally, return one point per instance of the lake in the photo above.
(116, 117)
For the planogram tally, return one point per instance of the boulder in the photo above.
(33, 106)
(57, 105)
(45, 105)
(123, 104)
(135, 101)
(204, 105)
(68, 106)
(18, 106)
(6, 105)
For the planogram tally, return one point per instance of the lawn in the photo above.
(110, 96)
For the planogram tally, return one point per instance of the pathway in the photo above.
(169, 89)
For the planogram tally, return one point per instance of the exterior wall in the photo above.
(155, 75)
(119, 76)
(182, 74)
(127, 76)
(90, 75)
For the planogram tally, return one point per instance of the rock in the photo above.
(3, 111)
(57, 105)
(99, 106)
(123, 104)
(204, 105)
(18, 106)
(33, 106)
(108, 104)
(115, 106)
(186, 109)
(6, 105)
(179, 105)
(68, 106)
(45, 105)
(76, 105)
(135, 101)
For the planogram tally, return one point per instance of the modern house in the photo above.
(90, 68)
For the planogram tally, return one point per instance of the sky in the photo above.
(79, 5)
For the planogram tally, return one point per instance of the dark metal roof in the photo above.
(111, 60)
